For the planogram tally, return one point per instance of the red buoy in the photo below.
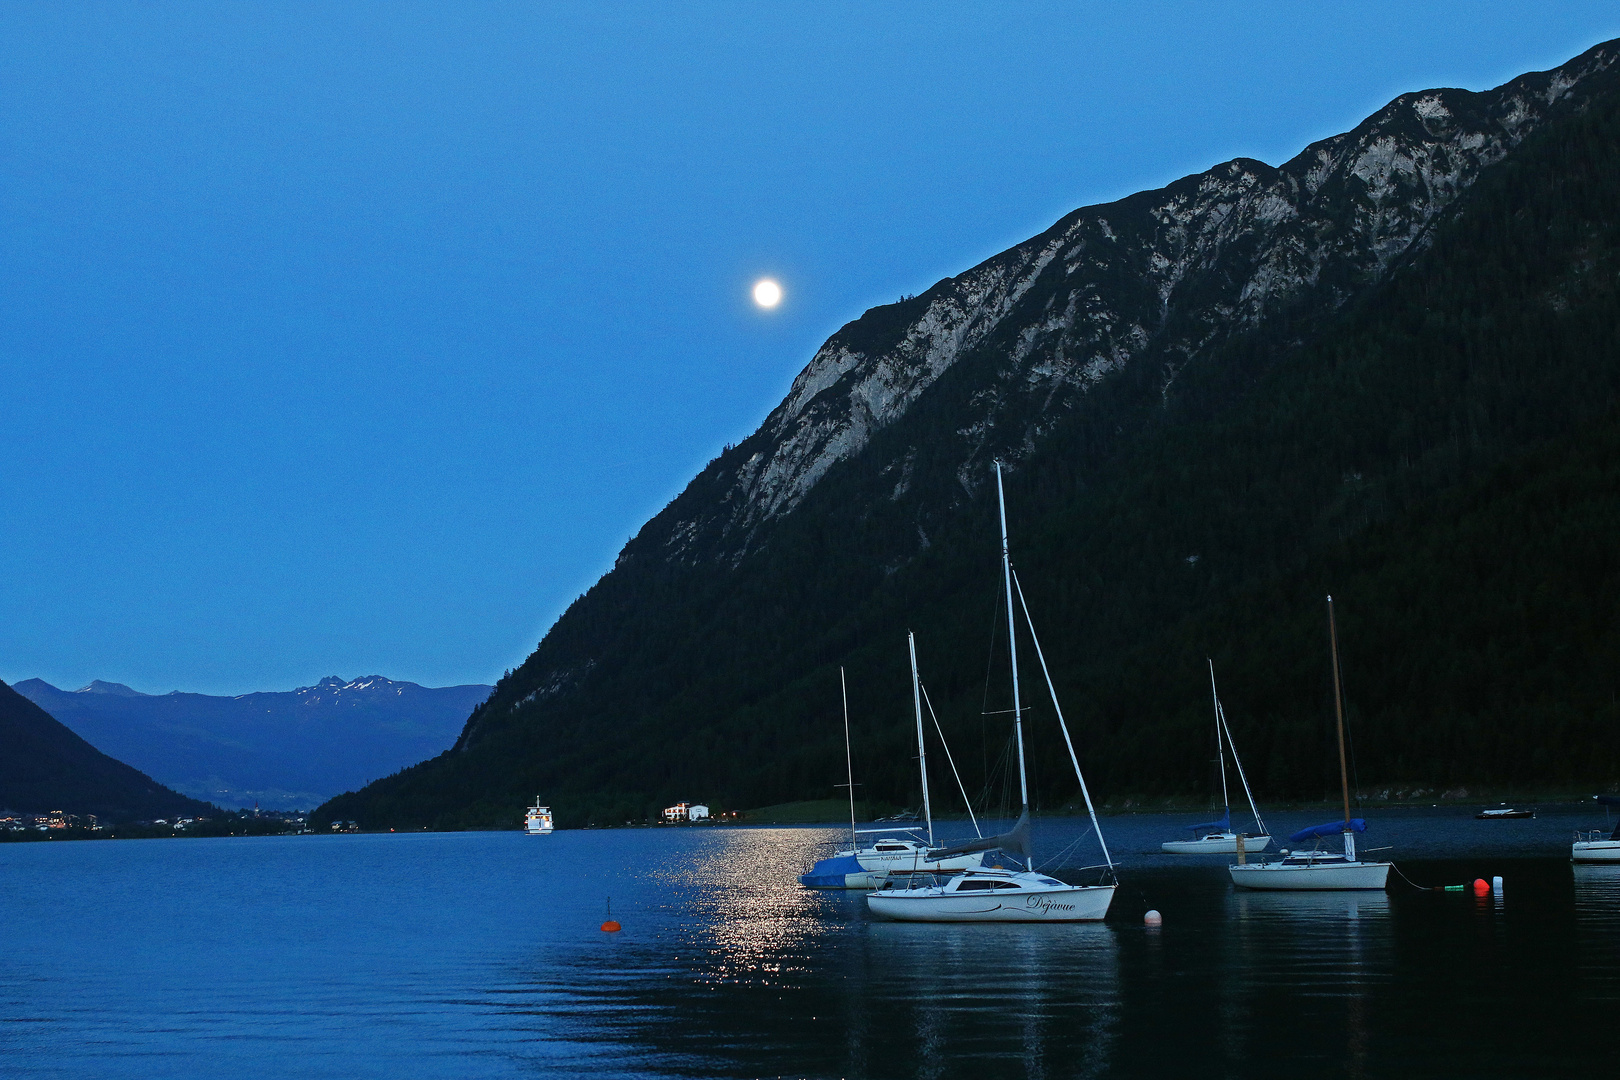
(1481, 887)
(612, 925)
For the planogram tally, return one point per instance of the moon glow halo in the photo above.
(767, 293)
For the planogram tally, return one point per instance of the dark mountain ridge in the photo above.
(283, 750)
(45, 767)
(1370, 371)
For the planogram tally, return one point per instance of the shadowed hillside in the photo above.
(1386, 369)
(44, 766)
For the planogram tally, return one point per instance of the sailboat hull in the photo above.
(1218, 844)
(1075, 903)
(1595, 851)
(882, 863)
(1321, 875)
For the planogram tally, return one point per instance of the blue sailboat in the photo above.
(1316, 868)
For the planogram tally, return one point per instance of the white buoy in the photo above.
(1496, 884)
(1153, 918)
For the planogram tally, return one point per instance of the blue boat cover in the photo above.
(1223, 825)
(1332, 828)
(832, 873)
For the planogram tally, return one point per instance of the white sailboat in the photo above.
(1594, 847)
(993, 895)
(537, 822)
(1217, 837)
(1319, 869)
(867, 866)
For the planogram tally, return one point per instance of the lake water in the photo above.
(479, 955)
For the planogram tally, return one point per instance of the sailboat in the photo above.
(993, 895)
(1594, 847)
(1217, 837)
(866, 867)
(1317, 869)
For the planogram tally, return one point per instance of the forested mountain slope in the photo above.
(1387, 369)
(44, 767)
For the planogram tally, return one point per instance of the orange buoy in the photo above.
(612, 925)
(1481, 887)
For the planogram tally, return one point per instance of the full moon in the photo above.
(767, 293)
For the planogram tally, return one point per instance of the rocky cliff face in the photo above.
(1155, 279)
(1213, 396)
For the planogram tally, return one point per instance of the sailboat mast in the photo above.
(922, 752)
(1248, 792)
(849, 762)
(1012, 645)
(1220, 746)
(1338, 712)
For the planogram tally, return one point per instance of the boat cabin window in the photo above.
(892, 847)
(1050, 881)
(1008, 885)
(977, 886)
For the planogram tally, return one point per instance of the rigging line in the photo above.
(959, 785)
(1220, 750)
(1053, 861)
(987, 792)
(1355, 774)
(1220, 711)
(1003, 772)
(1415, 885)
(1052, 690)
(1350, 742)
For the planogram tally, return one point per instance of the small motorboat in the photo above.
(1594, 847)
(1503, 813)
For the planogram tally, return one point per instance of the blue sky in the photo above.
(357, 338)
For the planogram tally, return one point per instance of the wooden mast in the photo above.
(1338, 711)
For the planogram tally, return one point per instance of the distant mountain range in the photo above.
(45, 767)
(1387, 369)
(283, 750)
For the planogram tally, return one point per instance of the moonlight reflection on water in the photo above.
(479, 955)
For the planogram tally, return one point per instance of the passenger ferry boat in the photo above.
(538, 820)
